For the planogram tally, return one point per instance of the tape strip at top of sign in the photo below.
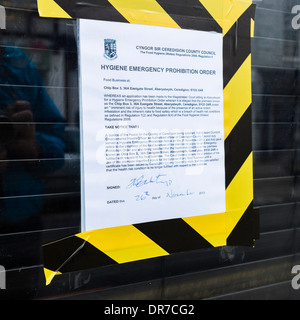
(239, 225)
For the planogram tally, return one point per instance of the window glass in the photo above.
(40, 169)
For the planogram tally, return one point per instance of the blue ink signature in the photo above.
(142, 181)
(173, 194)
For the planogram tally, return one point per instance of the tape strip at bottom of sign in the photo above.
(239, 225)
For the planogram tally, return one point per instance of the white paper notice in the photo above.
(152, 123)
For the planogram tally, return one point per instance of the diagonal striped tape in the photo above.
(238, 225)
(190, 14)
(52, 9)
(237, 45)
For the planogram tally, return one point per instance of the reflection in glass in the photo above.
(23, 144)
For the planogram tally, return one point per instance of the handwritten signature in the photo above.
(143, 181)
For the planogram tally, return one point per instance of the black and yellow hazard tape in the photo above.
(239, 225)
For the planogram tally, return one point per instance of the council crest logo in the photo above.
(110, 49)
